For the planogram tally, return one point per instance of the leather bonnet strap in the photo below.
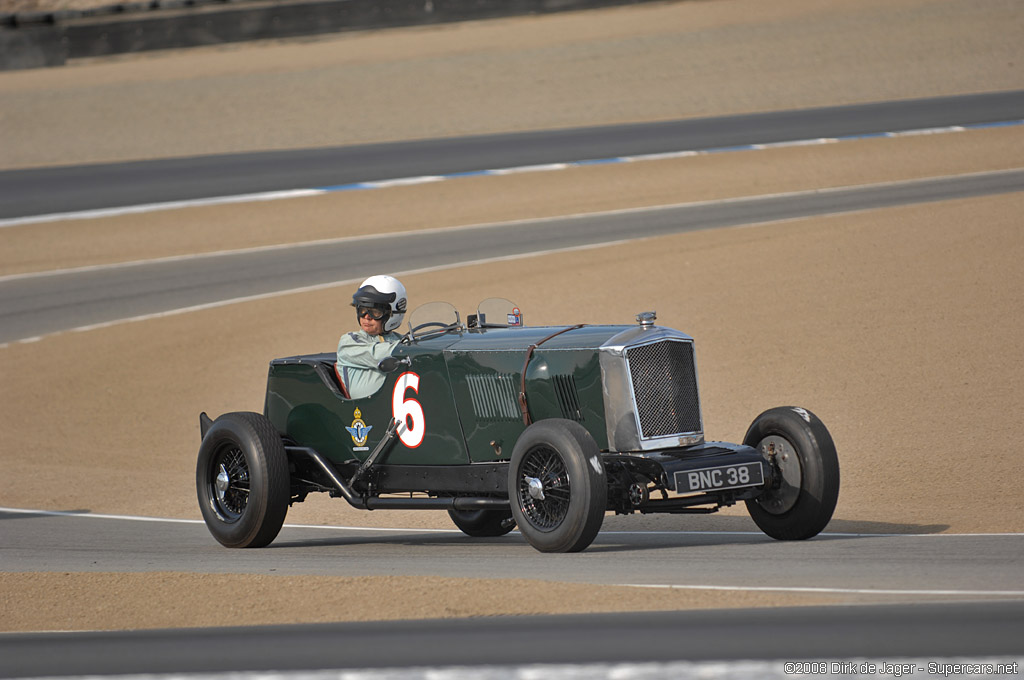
(523, 407)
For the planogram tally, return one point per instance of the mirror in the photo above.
(392, 364)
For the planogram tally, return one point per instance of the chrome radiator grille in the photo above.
(664, 379)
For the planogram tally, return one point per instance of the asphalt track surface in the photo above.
(934, 632)
(36, 305)
(917, 567)
(943, 565)
(966, 565)
(87, 187)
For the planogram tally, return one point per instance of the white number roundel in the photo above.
(408, 412)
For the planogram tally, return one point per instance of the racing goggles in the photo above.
(375, 313)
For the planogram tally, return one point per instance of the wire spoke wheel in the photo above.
(544, 488)
(557, 486)
(229, 483)
(242, 480)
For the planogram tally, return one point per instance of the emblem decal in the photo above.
(360, 431)
(515, 318)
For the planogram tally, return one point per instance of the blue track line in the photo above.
(547, 167)
(667, 155)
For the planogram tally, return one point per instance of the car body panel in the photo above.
(459, 395)
(468, 387)
(303, 407)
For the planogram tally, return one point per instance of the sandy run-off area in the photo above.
(901, 328)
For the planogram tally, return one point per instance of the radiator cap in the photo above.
(646, 319)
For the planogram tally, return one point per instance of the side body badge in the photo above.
(360, 431)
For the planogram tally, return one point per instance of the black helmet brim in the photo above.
(368, 296)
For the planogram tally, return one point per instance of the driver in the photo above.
(380, 304)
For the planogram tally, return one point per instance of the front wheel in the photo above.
(800, 449)
(242, 480)
(557, 486)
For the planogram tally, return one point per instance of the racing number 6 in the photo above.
(408, 412)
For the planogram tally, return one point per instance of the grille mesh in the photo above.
(665, 385)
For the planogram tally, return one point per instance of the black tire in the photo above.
(802, 450)
(483, 523)
(557, 486)
(242, 480)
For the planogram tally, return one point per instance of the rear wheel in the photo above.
(800, 449)
(557, 486)
(483, 523)
(242, 480)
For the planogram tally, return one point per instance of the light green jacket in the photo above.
(358, 356)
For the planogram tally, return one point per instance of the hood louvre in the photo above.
(494, 397)
(568, 397)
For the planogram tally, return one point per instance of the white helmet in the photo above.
(386, 293)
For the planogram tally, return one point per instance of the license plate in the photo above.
(719, 478)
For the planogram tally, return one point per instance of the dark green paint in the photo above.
(450, 367)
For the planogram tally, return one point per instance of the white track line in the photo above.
(509, 223)
(705, 587)
(138, 518)
(468, 263)
(142, 518)
(308, 289)
(156, 207)
(388, 235)
(425, 179)
(828, 591)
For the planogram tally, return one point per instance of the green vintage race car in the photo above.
(505, 425)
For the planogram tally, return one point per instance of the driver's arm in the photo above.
(361, 351)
